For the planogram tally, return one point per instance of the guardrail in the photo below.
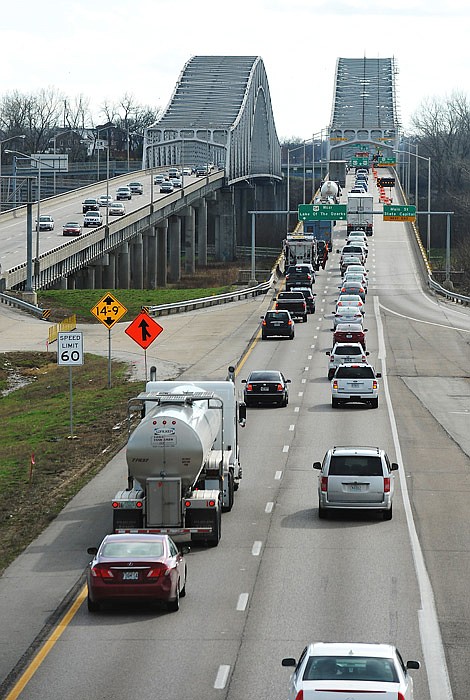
(23, 305)
(202, 302)
(458, 298)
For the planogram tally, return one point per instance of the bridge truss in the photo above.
(219, 115)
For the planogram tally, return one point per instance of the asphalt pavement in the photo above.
(196, 344)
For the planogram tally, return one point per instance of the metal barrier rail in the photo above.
(23, 305)
(458, 298)
(177, 307)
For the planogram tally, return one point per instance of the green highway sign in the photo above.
(386, 162)
(321, 212)
(359, 162)
(396, 212)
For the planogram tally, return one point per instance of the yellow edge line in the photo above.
(47, 646)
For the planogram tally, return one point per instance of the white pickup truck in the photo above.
(355, 382)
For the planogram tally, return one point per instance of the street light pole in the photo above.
(10, 138)
(107, 187)
(428, 236)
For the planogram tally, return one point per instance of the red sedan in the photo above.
(71, 228)
(128, 567)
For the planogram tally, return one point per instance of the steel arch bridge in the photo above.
(219, 115)
(364, 110)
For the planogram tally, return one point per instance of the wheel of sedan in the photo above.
(92, 605)
(291, 337)
(183, 590)
(174, 605)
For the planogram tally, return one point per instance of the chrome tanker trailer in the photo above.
(182, 458)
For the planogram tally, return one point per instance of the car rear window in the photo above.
(355, 373)
(133, 549)
(280, 316)
(355, 465)
(264, 377)
(348, 350)
(350, 668)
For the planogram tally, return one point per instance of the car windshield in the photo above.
(132, 549)
(264, 376)
(355, 373)
(350, 668)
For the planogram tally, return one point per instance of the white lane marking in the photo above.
(242, 602)
(306, 369)
(285, 448)
(222, 677)
(256, 549)
(278, 475)
(296, 409)
(269, 507)
(430, 633)
(309, 357)
(301, 393)
(303, 381)
(291, 427)
(419, 320)
(312, 346)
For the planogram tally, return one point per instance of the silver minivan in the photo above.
(356, 477)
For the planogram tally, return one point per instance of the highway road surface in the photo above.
(280, 577)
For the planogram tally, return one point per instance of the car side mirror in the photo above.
(288, 381)
(92, 550)
(378, 375)
(262, 318)
(243, 381)
(327, 352)
(413, 664)
(183, 548)
(289, 662)
(316, 465)
(365, 330)
(367, 353)
(394, 466)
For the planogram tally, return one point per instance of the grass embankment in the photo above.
(35, 423)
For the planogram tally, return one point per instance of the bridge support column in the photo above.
(202, 234)
(162, 269)
(98, 276)
(89, 277)
(109, 271)
(174, 245)
(123, 276)
(225, 240)
(137, 266)
(189, 241)
(150, 258)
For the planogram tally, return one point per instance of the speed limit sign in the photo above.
(70, 348)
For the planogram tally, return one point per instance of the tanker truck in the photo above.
(329, 192)
(182, 459)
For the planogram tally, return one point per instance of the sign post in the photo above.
(108, 311)
(70, 353)
(143, 330)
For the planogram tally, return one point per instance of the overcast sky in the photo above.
(102, 50)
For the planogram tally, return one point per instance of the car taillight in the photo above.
(300, 695)
(335, 384)
(374, 384)
(386, 484)
(159, 570)
(280, 387)
(401, 696)
(249, 387)
(324, 483)
(101, 571)
(289, 322)
(332, 359)
(364, 359)
(277, 305)
(309, 277)
(263, 322)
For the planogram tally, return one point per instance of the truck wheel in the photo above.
(227, 508)
(213, 541)
(330, 374)
(334, 403)
(388, 514)
(304, 318)
(92, 605)
(374, 403)
(321, 512)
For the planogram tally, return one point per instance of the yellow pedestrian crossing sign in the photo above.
(108, 310)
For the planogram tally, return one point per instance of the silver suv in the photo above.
(345, 352)
(356, 477)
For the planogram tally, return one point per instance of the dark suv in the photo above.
(309, 298)
(277, 323)
(300, 276)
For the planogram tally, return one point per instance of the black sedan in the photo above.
(266, 387)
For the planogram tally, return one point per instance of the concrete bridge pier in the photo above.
(174, 247)
(189, 241)
(123, 265)
(150, 258)
(137, 266)
(162, 253)
(224, 213)
(109, 271)
(202, 234)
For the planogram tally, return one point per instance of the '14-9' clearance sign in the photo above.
(108, 310)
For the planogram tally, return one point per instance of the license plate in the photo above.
(276, 323)
(130, 575)
(355, 487)
(264, 388)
